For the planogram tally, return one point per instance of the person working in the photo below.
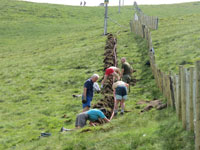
(92, 115)
(126, 70)
(114, 71)
(88, 92)
(120, 95)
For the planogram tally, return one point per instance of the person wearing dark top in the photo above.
(88, 92)
(126, 70)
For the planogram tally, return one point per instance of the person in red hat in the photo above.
(114, 71)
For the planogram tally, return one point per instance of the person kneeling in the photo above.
(92, 115)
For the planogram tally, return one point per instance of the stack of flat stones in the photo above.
(110, 60)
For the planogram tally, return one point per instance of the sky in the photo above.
(111, 2)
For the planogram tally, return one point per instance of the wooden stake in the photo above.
(183, 98)
(179, 95)
(191, 124)
(197, 123)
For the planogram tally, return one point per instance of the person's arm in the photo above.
(118, 71)
(106, 120)
(116, 76)
(114, 92)
(131, 69)
(84, 93)
(104, 79)
(127, 85)
(113, 87)
(96, 87)
(122, 72)
(92, 124)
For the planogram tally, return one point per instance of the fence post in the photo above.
(191, 124)
(164, 84)
(156, 23)
(183, 99)
(187, 97)
(197, 124)
(179, 105)
(177, 93)
(194, 98)
(143, 31)
(168, 90)
(172, 90)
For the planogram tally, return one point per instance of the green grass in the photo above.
(176, 41)
(48, 51)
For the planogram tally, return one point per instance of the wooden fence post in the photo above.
(191, 124)
(143, 31)
(160, 79)
(164, 84)
(197, 123)
(187, 98)
(194, 98)
(177, 95)
(173, 77)
(172, 90)
(168, 92)
(183, 98)
(179, 105)
(156, 23)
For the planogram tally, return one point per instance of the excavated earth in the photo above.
(110, 59)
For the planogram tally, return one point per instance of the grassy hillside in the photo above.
(177, 39)
(46, 53)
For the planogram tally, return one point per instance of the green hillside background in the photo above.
(48, 51)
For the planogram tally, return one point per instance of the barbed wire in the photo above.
(114, 21)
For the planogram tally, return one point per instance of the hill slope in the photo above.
(47, 52)
(176, 42)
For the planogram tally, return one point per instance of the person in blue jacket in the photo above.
(92, 115)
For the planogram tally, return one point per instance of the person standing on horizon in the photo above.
(88, 92)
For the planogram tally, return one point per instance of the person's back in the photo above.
(94, 114)
(119, 83)
(127, 68)
(89, 85)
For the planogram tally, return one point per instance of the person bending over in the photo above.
(120, 95)
(92, 115)
(114, 71)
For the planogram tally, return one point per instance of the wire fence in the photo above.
(122, 26)
(181, 90)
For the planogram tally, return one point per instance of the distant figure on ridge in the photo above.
(114, 71)
(84, 3)
(92, 115)
(88, 92)
(120, 95)
(81, 3)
